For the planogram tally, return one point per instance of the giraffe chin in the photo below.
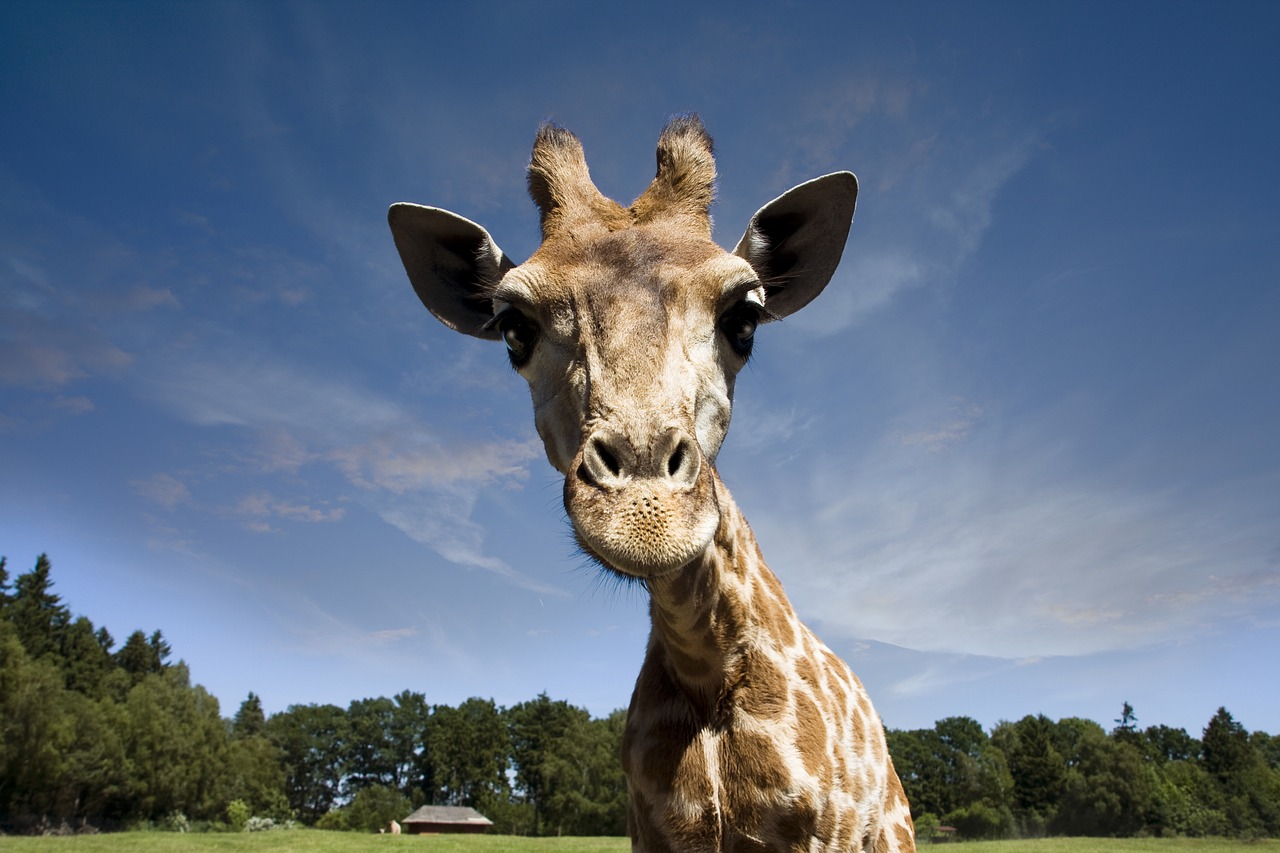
(620, 556)
(635, 535)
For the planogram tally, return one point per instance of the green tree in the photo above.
(1163, 744)
(176, 745)
(255, 775)
(586, 793)
(370, 758)
(1268, 747)
(5, 590)
(469, 748)
(1037, 768)
(535, 728)
(95, 782)
(1187, 801)
(34, 733)
(313, 742)
(250, 720)
(137, 657)
(1225, 750)
(374, 807)
(408, 739)
(1107, 791)
(1126, 729)
(85, 662)
(37, 612)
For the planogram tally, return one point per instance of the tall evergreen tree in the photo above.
(139, 656)
(85, 662)
(160, 651)
(1126, 729)
(249, 719)
(37, 612)
(1225, 749)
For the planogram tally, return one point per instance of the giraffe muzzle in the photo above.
(642, 513)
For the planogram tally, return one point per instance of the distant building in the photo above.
(445, 819)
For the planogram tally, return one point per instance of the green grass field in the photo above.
(313, 840)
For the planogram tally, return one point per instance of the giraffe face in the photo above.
(630, 343)
(630, 326)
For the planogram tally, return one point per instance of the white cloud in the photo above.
(442, 519)
(262, 505)
(958, 428)
(163, 489)
(969, 552)
(420, 484)
(404, 463)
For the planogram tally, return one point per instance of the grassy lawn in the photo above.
(314, 840)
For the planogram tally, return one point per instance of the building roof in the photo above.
(448, 814)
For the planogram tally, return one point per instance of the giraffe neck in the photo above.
(711, 618)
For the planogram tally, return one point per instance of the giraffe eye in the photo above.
(738, 325)
(519, 333)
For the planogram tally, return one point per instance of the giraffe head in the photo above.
(630, 326)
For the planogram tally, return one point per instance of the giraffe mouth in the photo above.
(642, 526)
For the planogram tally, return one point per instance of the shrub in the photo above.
(238, 814)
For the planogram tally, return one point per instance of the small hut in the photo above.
(445, 819)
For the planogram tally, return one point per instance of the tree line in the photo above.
(92, 734)
(1037, 777)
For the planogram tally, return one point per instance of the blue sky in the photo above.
(1020, 456)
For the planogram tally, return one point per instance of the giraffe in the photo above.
(744, 732)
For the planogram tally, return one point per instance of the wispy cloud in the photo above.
(163, 489)
(261, 506)
(961, 553)
(964, 417)
(422, 485)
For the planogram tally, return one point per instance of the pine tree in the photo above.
(39, 614)
(85, 662)
(136, 657)
(250, 719)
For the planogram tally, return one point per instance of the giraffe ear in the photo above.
(795, 241)
(453, 264)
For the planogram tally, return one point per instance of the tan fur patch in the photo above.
(811, 738)
(765, 692)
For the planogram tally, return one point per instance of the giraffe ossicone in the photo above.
(745, 732)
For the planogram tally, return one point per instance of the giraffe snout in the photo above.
(610, 460)
(642, 512)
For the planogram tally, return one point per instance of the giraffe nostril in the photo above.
(606, 457)
(682, 464)
(676, 460)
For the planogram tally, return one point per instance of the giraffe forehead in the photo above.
(636, 267)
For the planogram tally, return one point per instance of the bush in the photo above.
(980, 820)
(927, 827)
(334, 821)
(175, 822)
(238, 814)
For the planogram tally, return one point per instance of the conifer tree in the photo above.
(37, 612)
(249, 719)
